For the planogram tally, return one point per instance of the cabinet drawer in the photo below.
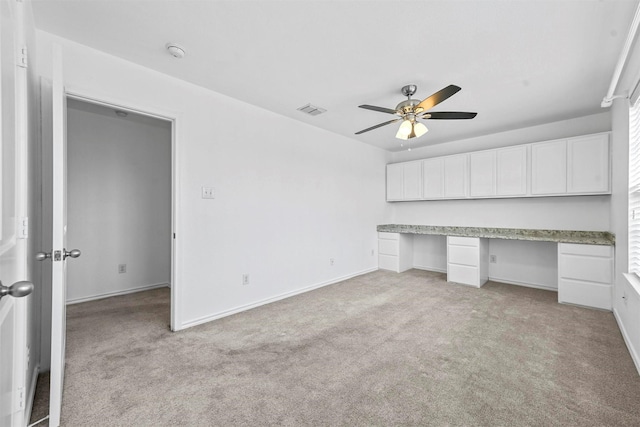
(463, 241)
(463, 274)
(388, 247)
(591, 250)
(585, 268)
(465, 255)
(586, 294)
(388, 262)
(390, 236)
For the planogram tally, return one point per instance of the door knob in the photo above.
(17, 290)
(74, 253)
(41, 256)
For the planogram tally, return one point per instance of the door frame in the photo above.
(175, 118)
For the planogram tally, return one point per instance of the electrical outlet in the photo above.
(245, 279)
(331, 261)
(493, 259)
(122, 268)
(208, 193)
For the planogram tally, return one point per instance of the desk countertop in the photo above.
(561, 236)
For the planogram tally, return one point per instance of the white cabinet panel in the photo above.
(482, 174)
(511, 171)
(395, 252)
(549, 168)
(455, 176)
(433, 178)
(412, 180)
(585, 275)
(588, 164)
(467, 260)
(394, 182)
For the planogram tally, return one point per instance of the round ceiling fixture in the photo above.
(175, 50)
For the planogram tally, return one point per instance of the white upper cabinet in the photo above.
(549, 168)
(511, 171)
(412, 180)
(579, 165)
(433, 178)
(588, 164)
(482, 174)
(394, 182)
(455, 176)
(404, 181)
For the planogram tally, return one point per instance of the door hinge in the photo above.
(23, 228)
(57, 255)
(23, 57)
(20, 395)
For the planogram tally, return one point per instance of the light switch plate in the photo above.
(208, 193)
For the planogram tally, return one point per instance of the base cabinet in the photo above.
(467, 260)
(395, 252)
(585, 275)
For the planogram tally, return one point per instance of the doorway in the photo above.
(119, 201)
(120, 173)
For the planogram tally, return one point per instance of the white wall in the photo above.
(119, 201)
(288, 196)
(564, 213)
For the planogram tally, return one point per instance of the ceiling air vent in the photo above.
(312, 110)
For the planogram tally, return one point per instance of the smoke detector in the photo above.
(175, 50)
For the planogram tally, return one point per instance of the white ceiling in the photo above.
(519, 63)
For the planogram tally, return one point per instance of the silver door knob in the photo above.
(74, 253)
(41, 256)
(17, 290)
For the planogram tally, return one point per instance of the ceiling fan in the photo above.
(413, 109)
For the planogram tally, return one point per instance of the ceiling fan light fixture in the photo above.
(419, 129)
(404, 130)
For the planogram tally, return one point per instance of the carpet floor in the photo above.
(376, 350)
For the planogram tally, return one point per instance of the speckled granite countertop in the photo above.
(562, 236)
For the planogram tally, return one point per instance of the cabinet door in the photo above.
(433, 178)
(588, 164)
(455, 176)
(482, 174)
(511, 171)
(549, 168)
(412, 180)
(394, 182)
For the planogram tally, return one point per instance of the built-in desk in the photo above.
(585, 258)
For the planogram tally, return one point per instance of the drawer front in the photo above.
(388, 262)
(389, 236)
(586, 294)
(388, 247)
(465, 255)
(463, 274)
(591, 250)
(463, 241)
(587, 268)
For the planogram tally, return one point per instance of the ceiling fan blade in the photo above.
(378, 125)
(438, 97)
(380, 109)
(449, 115)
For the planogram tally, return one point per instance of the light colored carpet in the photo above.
(379, 349)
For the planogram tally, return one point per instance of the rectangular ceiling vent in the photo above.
(312, 110)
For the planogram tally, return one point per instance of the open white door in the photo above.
(59, 238)
(13, 207)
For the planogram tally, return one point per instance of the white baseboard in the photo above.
(425, 268)
(246, 307)
(116, 293)
(495, 279)
(627, 341)
(32, 394)
(525, 284)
